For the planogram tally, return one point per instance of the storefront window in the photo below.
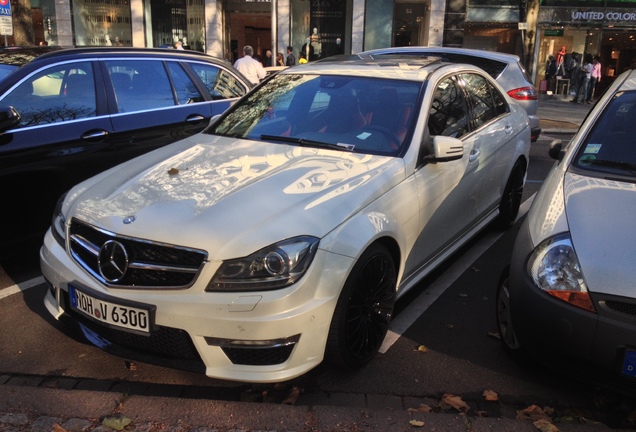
(102, 22)
(185, 24)
(378, 29)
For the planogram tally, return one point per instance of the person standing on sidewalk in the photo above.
(248, 66)
(595, 78)
(585, 72)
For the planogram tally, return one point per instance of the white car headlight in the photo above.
(555, 268)
(58, 224)
(276, 266)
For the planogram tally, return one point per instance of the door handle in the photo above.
(95, 135)
(474, 155)
(195, 118)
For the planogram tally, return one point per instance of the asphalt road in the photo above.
(445, 342)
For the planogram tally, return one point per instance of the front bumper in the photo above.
(546, 326)
(267, 336)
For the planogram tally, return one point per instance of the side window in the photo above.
(220, 83)
(479, 94)
(58, 93)
(186, 90)
(140, 84)
(449, 111)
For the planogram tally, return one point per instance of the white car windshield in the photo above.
(365, 115)
(611, 146)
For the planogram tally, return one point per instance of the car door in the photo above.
(448, 195)
(63, 138)
(494, 135)
(157, 102)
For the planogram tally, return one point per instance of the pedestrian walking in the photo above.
(248, 66)
(595, 78)
(291, 60)
(584, 79)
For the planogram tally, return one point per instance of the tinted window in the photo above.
(140, 84)
(486, 101)
(220, 83)
(611, 146)
(185, 89)
(58, 93)
(449, 111)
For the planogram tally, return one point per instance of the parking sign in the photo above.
(6, 23)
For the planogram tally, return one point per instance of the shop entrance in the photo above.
(248, 23)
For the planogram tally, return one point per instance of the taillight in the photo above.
(524, 93)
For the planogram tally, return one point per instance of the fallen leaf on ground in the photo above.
(421, 348)
(58, 428)
(454, 402)
(130, 365)
(533, 412)
(117, 421)
(482, 413)
(416, 423)
(490, 395)
(545, 426)
(422, 408)
(173, 171)
(292, 396)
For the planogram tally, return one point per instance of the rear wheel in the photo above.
(364, 310)
(511, 198)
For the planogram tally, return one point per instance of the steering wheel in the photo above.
(394, 140)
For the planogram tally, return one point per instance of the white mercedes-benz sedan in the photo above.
(282, 234)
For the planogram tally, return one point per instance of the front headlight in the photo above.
(555, 268)
(276, 266)
(58, 224)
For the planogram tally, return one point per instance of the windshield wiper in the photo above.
(309, 143)
(626, 166)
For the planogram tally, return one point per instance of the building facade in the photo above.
(321, 28)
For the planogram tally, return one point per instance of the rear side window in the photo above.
(449, 111)
(483, 97)
(56, 94)
(140, 84)
(219, 82)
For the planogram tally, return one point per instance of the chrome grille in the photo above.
(150, 264)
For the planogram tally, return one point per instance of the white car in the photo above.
(570, 293)
(283, 234)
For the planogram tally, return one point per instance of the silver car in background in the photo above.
(506, 69)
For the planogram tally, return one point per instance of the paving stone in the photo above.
(76, 424)
(45, 423)
(14, 419)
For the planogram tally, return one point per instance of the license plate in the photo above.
(117, 315)
(629, 363)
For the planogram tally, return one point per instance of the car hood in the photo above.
(231, 197)
(600, 215)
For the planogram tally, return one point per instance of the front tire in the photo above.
(504, 315)
(364, 310)
(511, 198)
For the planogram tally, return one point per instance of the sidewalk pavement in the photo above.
(40, 409)
(558, 115)
(31, 405)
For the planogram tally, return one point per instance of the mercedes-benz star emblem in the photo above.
(112, 261)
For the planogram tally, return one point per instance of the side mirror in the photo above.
(556, 150)
(447, 149)
(9, 118)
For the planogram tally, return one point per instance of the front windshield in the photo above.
(363, 115)
(611, 146)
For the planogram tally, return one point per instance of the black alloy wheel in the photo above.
(364, 310)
